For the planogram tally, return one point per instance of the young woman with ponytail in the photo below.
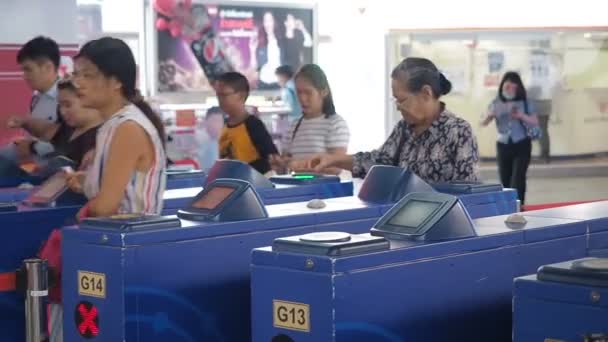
(430, 140)
(126, 175)
(126, 172)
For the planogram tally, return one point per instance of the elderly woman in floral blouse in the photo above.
(430, 140)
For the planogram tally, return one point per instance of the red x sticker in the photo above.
(87, 320)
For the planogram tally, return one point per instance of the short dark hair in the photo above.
(66, 84)
(284, 70)
(236, 81)
(39, 49)
(513, 77)
(415, 73)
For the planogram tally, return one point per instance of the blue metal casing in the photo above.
(204, 303)
(456, 290)
(191, 283)
(594, 214)
(467, 187)
(347, 214)
(26, 229)
(178, 179)
(7, 207)
(560, 310)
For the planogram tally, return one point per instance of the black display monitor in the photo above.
(213, 198)
(426, 217)
(225, 200)
(234, 169)
(388, 184)
(413, 214)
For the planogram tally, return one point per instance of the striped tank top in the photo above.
(144, 192)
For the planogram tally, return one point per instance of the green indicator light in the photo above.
(304, 177)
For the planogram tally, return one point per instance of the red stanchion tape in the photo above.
(8, 282)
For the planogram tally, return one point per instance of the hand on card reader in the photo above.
(54, 191)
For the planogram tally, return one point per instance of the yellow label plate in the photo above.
(553, 340)
(92, 284)
(290, 315)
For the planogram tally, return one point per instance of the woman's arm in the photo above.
(490, 116)
(129, 145)
(39, 128)
(340, 151)
(530, 119)
(325, 163)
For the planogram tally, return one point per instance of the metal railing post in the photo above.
(37, 289)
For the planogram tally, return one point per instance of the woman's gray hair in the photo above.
(415, 73)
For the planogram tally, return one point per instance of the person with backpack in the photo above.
(517, 125)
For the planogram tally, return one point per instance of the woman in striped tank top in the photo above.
(127, 171)
(319, 130)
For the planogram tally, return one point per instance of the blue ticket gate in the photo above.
(566, 301)
(440, 277)
(26, 227)
(203, 303)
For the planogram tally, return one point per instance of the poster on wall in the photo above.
(197, 42)
(496, 62)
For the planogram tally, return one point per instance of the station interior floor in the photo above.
(561, 180)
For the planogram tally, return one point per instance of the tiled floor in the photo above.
(549, 190)
(549, 183)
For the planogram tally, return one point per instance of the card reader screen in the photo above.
(414, 213)
(52, 187)
(213, 198)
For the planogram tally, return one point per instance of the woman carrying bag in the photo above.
(517, 125)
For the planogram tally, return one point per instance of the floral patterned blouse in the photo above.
(446, 151)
